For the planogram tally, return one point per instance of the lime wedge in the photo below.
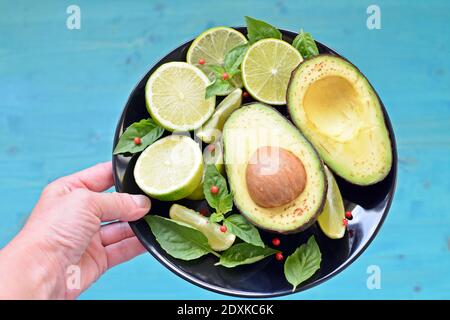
(266, 70)
(332, 217)
(212, 129)
(218, 240)
(175, 97)
(169, 169)
(211, 46)
(213, 154)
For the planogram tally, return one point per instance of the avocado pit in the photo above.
(274, 176)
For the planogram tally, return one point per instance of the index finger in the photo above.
(97, 178)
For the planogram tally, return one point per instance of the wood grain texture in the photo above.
(62, 91)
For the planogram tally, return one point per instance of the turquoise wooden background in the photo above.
(62, 91)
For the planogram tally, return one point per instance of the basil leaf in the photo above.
(179, 240)
(217, 69)
(303, 263)
(218, 87)
(244, 253)
(305, 44)
(226, 203)
(214, 178)
(244, 230)
(257, 30)
(145, 129)
(216, 217)
(233, 59)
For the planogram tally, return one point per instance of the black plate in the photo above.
(370, 206)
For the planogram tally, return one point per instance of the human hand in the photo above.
(64, 232)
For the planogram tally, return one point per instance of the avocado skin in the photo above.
(291, 79)
(314, 217)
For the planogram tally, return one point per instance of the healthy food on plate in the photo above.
(267, 164)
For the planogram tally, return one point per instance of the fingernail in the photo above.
(141, 201)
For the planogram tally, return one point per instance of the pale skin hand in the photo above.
(64, 230)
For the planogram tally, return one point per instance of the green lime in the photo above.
(332, 217)
(218, 240)
(169, 169)
(212, 129)
(211, 46)
(267, 68)
(175, 96)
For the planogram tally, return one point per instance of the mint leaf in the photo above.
(244, 230)
(219, 87)
(303, 263)
(233, 59)
(179, 240)
(244, 253)
(305, 44)
(145, 129)
(226, 203)
(258, 29)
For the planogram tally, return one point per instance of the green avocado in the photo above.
(337, 109)
(276, 176)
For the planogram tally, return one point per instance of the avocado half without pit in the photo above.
(337, 109)
(275, 174)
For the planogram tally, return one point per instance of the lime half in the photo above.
(170, 169)
(175, 97)
(267, 68)
(332, 217)
(211, 46)
(212, 129)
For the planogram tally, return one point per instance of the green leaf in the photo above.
(216, 217)
(217, 69)
(226, 203)
(233, 59)
(179, 240)
(244, 253)
(303, 263)
(218, 87)
(145, 129)
(305, 44)
(214, 178)
(258, 29)
(244, 230)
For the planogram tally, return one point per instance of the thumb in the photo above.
(121, 206)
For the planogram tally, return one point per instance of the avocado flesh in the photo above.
(258, 125)
(337, 109)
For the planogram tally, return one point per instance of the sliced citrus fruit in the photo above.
(267, 68)
(213, 154)
(169, 169)
(212, 129)
(218, 240)
(211, 46)
(175, 96)
(332, 217)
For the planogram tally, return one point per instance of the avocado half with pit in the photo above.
(337, 109)
(275, 174)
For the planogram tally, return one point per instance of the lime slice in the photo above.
(169, 169)
(212, 129)
(213, 154)
(266, 70)
(211, 47)
(175, 96)
(332, 217)
(218, 240)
